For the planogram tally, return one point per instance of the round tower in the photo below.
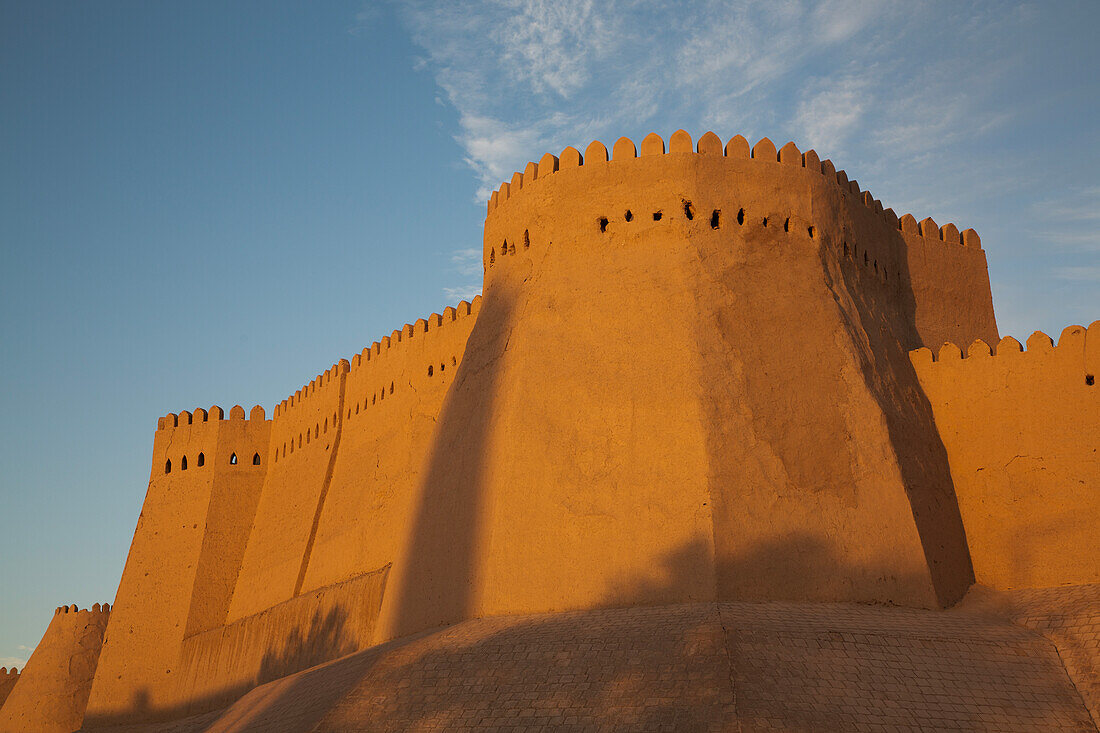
(689, 381)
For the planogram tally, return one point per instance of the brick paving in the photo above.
(1070, 618)
(704, 667)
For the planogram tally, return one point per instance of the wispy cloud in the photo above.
(529, 76)
(467, 263)
(466, 292)
(919, 99)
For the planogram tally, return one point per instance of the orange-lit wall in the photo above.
(1022, 430)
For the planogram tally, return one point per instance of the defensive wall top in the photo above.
(201, 415)
(1074, 340)
(736, 148)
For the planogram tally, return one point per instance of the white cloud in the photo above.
(832, 110)
(464, 292)
(10, 662)
(467, 261)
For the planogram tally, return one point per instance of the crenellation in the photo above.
(738, 147)
(596, 152)
(789, 154)
(765, 150)
(652, 144)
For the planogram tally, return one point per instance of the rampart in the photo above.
(8, 678)
(183, 562)
(1022, 431)
(52, 691)
(689, 379)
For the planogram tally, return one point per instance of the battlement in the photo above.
(95, 609)
(5, 672)
(374, 371)
(1075, 343)
(737, 148)
(214, 414)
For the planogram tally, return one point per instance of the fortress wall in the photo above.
(393, 396)
(8, 678)
(630, 425)
(52, 692)
(233, 500)
(950, 285)
(1022, 429)
(305, 436)
(170, 555)
(218, 666)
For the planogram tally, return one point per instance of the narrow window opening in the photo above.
(429, 370)
(876, 266)
(866, 259)
(657, 215)
(356, 408)
(201, 461)
(382, 394)
(492, 257)
(811, 231)
(299, 440)
(307, 429)
(715, 219)
(442, 366)
(326, 424)
(846, 253)
(233, 460)
(183, 463)
(349, 413)
(168, 466)
(765, 221)
(741, 216)
(1090, 379)
(373, 397)
(787, 224)
(511, 248)
(526, 239)
(255, 459)
(603, 223)
(689, 212)
(391, 387)
(629, 215)
(454, 362)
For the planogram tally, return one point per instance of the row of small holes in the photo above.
(317, 430)
(371, 400)
(715, 219)
(201, 461)
(442, 366)
(509, 249)
(867, 261)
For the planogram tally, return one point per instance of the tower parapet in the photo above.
(51, 693)
(560, 198)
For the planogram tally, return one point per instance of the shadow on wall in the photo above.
(701, 666)
(440, 563)
(324, 639)
(890, 327)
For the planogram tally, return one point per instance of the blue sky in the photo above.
(210, 203)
